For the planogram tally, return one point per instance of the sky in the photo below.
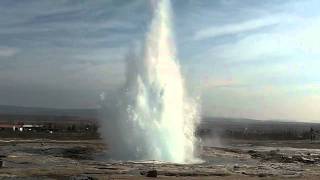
(248, 58)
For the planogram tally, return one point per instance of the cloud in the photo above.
(308, 38)
(264, 102)
(231, 29)
(70, 24)
(221, 83)
(8, 52)
(109, 55)
(300, 40)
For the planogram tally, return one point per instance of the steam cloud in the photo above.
(152, 118)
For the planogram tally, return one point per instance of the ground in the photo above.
(234, 159)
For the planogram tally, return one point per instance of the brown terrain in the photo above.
(84, 159)
(69, 147)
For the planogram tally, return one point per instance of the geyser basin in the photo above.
(153, 117)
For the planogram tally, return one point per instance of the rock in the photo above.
(303, 159)
(262, 175)
(308, 161)
(82, 178)
(252, 151)
(152, 173)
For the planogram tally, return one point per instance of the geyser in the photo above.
(153, 118)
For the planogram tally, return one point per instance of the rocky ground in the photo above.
(49, 159)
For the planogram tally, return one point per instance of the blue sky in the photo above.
(247, 58)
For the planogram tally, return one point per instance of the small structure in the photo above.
(31, 127)
(20, 127)
(10, 127)
(313, 134)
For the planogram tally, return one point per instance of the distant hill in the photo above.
(246, 121)
(221, 124)
(20, 110)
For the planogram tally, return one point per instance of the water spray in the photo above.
(156, 118)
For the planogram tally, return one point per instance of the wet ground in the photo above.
(49, 159)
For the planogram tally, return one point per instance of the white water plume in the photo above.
(153, 118)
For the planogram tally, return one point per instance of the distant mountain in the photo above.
(20, 110)
(244, 121)
(218, 124)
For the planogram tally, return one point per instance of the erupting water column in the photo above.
(161, 119)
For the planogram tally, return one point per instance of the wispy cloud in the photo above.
(106, 55)
(236, 28)
(299, 41)
(210, 83)
(7, 52)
